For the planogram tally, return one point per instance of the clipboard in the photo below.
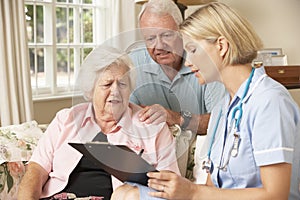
(117, 160)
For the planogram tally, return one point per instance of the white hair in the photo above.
(162, 7)
(96, 62)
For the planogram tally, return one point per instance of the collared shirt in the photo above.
(77, 124)
(269, 134)
(182, 93)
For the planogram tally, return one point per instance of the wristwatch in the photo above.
(186, 115)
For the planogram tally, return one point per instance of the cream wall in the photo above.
(296, 95)
(276, 22)
(45, 110)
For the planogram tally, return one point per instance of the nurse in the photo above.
(254, 133)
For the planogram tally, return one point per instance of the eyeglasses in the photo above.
(168, 36)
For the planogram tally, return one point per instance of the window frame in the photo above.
(50, 46)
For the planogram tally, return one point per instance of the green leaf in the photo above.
(9, 179)
(10, 182)
(28, 147)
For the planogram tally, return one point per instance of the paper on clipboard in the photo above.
(117, 160)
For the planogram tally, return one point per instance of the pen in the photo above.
(141, 152)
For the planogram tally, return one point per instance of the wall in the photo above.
(296, 95)
(276, 22)
(45, 110)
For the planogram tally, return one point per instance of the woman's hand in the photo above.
(275, 185)
(170, 185)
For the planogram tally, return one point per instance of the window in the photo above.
(61, 33)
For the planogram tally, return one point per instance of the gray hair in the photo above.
(96, 62)
(162, 7)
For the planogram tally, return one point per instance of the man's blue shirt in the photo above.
(182, 93)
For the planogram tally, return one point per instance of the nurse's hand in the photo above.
(170, 185)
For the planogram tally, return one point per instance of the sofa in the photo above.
(17, 143)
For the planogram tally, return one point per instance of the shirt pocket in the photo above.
(243, 168)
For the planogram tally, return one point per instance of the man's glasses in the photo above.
(168, 36)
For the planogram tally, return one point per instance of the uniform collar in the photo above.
(257, 74)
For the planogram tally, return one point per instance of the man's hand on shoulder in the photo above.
(153, 114)
(157, 114)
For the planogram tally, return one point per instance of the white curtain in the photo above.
(123, 23)
(16, 100)
(123, 16)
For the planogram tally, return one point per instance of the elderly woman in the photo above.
(56, 170)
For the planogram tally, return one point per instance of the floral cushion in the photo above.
(17, 143)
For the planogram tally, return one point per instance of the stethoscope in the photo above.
(236, 117)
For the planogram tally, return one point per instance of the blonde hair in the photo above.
(217, 19)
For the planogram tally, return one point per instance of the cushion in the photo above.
(185, 148)
(200, 155)
(17, 143)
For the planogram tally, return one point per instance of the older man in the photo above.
(168, 90)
